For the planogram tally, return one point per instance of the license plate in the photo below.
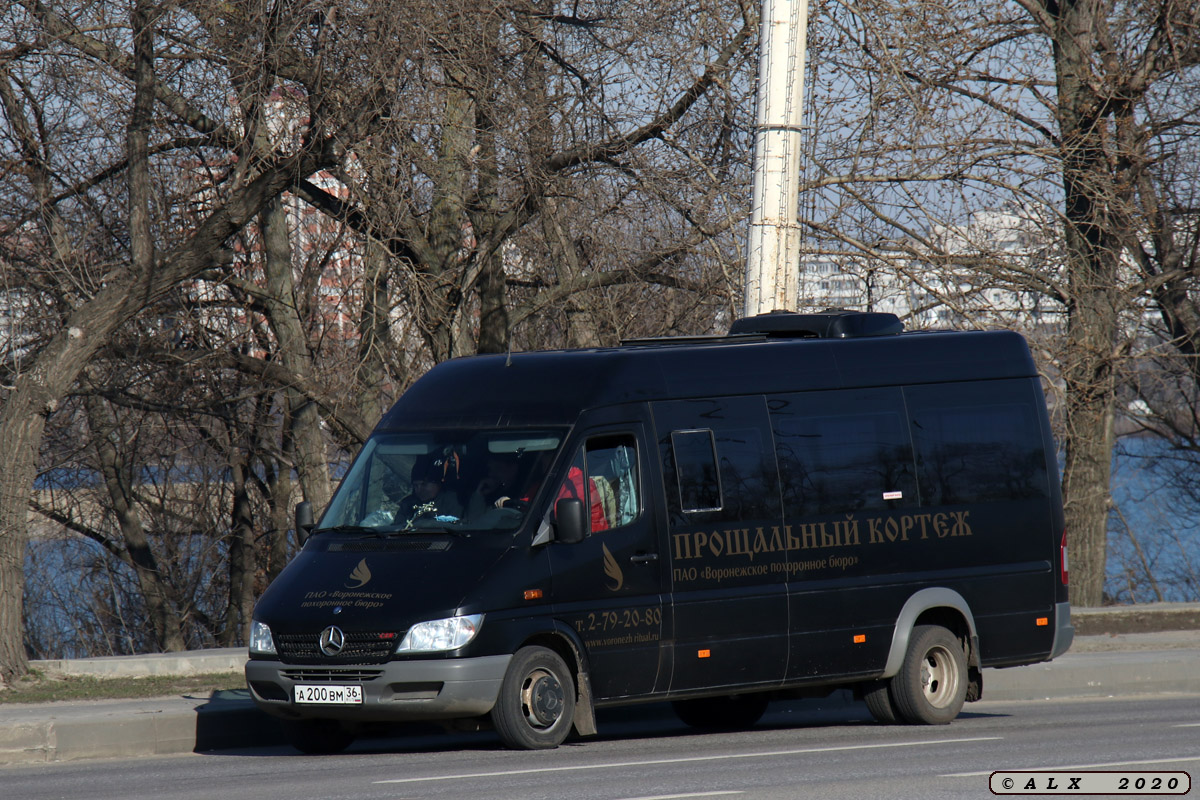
(328, 695)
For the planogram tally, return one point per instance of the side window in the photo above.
(699, 481)
(612, 469)
(843, 451)
(604, 475)
(718, 461)
(977, 442)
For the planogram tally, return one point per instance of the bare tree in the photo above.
(54, 232)
(494, 169)
(1063, 113)
(532, 136)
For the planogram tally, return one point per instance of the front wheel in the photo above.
(537, 701)
(931, 686)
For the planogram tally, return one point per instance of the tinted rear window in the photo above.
(977, 442)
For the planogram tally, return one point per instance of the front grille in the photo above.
(331, 675)
(360, 648)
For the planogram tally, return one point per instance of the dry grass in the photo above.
(39, 687)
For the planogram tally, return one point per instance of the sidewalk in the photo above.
(1101, 664)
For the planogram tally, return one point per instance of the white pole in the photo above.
(773, 250)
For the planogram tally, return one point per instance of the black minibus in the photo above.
(812, 502)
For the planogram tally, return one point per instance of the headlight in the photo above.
(440, 634)
(261, 642)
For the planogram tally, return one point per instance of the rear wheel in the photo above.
(317, 736)
(722, 713)
(931, 686)
(879, 703)
(537, 701)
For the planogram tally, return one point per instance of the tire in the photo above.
(317, 737)
(931, 686)
(733, 712)
(879, 703)
(536, 705)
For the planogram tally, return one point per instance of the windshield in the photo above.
(473, 480)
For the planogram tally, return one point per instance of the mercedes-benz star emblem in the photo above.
(332, 640)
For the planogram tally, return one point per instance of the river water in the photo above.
(78, 602)
(1154, 527)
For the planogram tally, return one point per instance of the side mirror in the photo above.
(304, 521)
(569, 520)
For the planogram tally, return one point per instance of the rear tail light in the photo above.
(1064, 558)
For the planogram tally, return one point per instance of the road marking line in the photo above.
(1188, 725)
(682, 796)
(1073, 766)
(694, 759)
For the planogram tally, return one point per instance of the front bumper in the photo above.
(396, 691)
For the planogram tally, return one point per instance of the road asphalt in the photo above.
(1133, 650)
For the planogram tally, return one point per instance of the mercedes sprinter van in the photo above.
(811, 502)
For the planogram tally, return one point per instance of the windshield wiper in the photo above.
(430, 529)
(431, 525)
(349, 529)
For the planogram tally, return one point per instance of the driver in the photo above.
(498, 486)
(429, 497)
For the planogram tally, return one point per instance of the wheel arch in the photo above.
(933, 606)
(561, 640)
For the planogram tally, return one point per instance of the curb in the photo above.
(1148, 618)
(195, 662)
(55, 732)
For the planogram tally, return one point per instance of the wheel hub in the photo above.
(939, 678)
(542, 698)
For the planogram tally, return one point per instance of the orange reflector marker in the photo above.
(703, 653)
(1043, 622)
(859, 638)
(533, 594)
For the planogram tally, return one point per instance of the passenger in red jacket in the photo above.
(573, 488)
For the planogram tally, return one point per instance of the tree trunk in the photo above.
(1093, 257)
(1087, 468)
(370, 372)
(279, 499)
(117, 472)
(241, 558)
(493, 283)
(448, 219)
(581, 323)
(312, 460)
(494, 334)
(22, 421)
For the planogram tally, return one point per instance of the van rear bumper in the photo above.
(1064, 631)
(395, 691)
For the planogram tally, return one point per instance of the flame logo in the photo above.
(361, 574)
(612, 570)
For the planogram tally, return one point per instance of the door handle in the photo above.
(644, 558)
